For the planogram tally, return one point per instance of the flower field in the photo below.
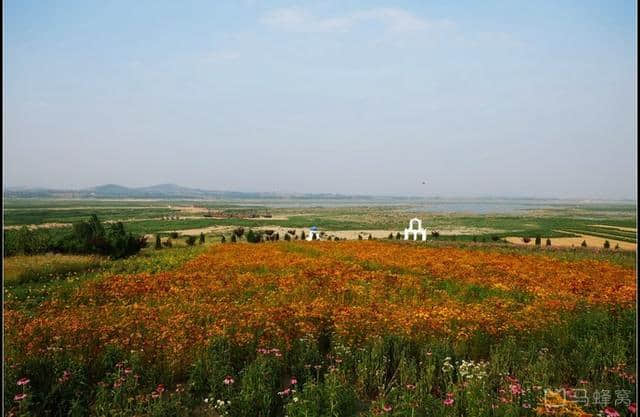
(335, 329)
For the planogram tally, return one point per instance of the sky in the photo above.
(493, 98)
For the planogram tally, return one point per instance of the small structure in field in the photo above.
(416, 231)
(314, 234)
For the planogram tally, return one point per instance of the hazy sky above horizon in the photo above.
(507, 98)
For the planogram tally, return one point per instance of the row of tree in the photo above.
(85, 237)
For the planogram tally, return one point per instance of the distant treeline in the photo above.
(85, 237)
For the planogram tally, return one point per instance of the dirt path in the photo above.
(626, 229)
(592, 242)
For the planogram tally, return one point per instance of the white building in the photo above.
(313, 232)
(418, 230)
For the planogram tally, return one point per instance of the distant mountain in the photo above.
(164, 191)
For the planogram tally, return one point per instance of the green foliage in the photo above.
(254, 237)
(85, 237)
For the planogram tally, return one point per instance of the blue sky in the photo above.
(499, 98)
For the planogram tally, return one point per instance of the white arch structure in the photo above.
(418, 230)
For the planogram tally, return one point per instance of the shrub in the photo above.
(538, 240)
(158, 242)
(435, 234)
(494, 238)
(606, 244)
(168, 243)
(548, 242)
(526, 239)
(314, 236)
(223, 239)
(287, 237)
(475, 239)
(370, 237)
(233, 238)
(398, 236)
(302, 236)
(239, 231)
(359, 237)
(201, 238)
(584, 244)
(390, 236)
(254, 237)
(190, 240)
(617, 246)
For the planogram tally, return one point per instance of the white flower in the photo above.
(295, 399)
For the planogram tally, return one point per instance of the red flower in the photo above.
(387, 408)
(294, 380)
(448, 401)
(19, 397)
(632, 408)
(228, 380)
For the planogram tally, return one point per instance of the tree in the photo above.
(370, 237)
(254, 237)
(201, 238)
(223, 239)
(287, 237)
(190, 240)
(538, 240)
(359, 237)
(238, 232)
(584, 244)
(548, 242)
(302, 236)
(390, 236)
(398, 236)
(314, 236)
(606, 244)
(158, 241)
(233, 238)
(435, 234)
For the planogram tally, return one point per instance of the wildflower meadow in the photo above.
(349, 328)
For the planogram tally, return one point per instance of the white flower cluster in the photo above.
(220, 405)
(472, 370)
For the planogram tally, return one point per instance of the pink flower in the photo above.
(160, 388)
(516, 389)
(632, 408)
(526, 405)
(410, 387)
(127, 371)
(65, 376)
(19, 397)
(228, 380)
(117, 384)
(611, 412)
(448, 401)
(294, 380)
(584, 381)
(23, 381)
(387, 408)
